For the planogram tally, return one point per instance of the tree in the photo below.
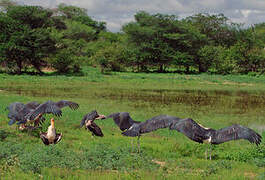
(216, 27)
(33, 16)
(25, 37)
(71, 11)
(80, 14)
(158, 39)
(12, 40)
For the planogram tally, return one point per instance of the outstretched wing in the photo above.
(191, 129)
(235, 132)
(83, 121)
(47, 107)
(44, 139)
(157, 122)
(64, 103)
(14, 108)
(32, 105)
(58, 137)
(95, 129)
(123, 120)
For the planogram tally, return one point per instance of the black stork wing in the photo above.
(44, 139)
(191, 129)
(95, 129)
(235, 132)
(64, 103)
(157, 122)
(83, 121)
(32, 105)
(58, 137)
(47, 107)
(14, 109)
(123, 120)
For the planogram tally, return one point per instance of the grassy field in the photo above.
(212, 100)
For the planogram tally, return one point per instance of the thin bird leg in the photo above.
(131, 145)
(210, 152)
(206, 152)
(138, 143)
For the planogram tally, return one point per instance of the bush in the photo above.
(65, 62)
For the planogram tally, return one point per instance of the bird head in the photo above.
(94, 115)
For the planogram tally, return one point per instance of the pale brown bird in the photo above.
(51, 137)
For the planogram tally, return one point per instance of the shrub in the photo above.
(65, 62)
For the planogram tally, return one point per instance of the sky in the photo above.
(119, 12)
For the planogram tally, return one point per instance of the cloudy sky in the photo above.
(118, 12)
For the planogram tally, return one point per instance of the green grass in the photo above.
(212, 100)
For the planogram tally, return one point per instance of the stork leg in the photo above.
(210, 152)
(138, 143)
(132, 145)
(206, 152)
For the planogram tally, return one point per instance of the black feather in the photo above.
(95, 129)
(157, 122)
(123, 120)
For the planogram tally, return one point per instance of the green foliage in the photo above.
(110, 58)
(71, 11)
(216, 27)
(33, 16)
(64, 61)
(32, 35)
(76, 30)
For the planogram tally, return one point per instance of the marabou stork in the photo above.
(88, 121)
(48, 107)
(136, 128)
(200, 134)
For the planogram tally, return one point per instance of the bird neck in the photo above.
(88, 122)
(52, 123)
(51, 130)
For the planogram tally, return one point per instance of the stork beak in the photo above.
(101, 116)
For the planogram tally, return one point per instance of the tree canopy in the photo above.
(66, 38)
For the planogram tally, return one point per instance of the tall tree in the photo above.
(25, 37)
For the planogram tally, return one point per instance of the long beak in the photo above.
(101, 116)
